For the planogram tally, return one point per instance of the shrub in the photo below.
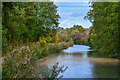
(71, 42)
(49, 39)
(56, 38)
(58, 48)
(116, 55)
(4, 45)
(19, 64)
(42, 41)
(36, 50)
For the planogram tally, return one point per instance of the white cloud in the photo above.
(65, 23)
(84, 4)
(79, 23)
(80, 4)
(84, 24)
(69, 13)
(77, 17)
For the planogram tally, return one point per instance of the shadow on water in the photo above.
(80, 65)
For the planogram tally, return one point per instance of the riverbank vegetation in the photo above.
(21, 62)
(27, 22)
(28, 34)
(104, 35)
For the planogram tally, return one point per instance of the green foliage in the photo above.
(71, 42)
(104, 33)
(56, 38)
(32, 24)
(79, 28)
(62, 37)
(77, 37)
(36, 50)
(77, 33)
(25, 22)
(21, 62)
(42, 41)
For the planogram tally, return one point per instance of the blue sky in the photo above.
(72, 13)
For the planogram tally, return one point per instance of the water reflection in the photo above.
(81, 66)
(78, 69)
(105, 70)
(77, 49)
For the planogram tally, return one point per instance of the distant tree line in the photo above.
(76, 33)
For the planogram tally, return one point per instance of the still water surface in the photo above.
(81, 66)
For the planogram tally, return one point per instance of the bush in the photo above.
(36, 50)
(19, 64)
(49, 39)
(4, 45)
(56, 38)
(116, 55)
(43, 42)
(71, 42)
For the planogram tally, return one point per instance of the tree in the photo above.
(25, 22)
(104, 34)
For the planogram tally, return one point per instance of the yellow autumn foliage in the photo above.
(56, 38)
(42, 41)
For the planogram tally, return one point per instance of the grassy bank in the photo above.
(21, 62)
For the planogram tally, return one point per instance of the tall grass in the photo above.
(21, 62)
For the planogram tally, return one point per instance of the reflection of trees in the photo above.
(94, 54)
(80, 54)
(90, 53)
(72, 54)
(105, 70)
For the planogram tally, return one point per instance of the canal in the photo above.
(80, 65)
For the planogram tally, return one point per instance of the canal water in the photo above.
(81, 66)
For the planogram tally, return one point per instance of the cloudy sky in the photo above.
(72, 13)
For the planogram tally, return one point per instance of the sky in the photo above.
(72, 13)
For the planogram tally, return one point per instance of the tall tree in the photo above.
(104, 34)
(27, 21)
